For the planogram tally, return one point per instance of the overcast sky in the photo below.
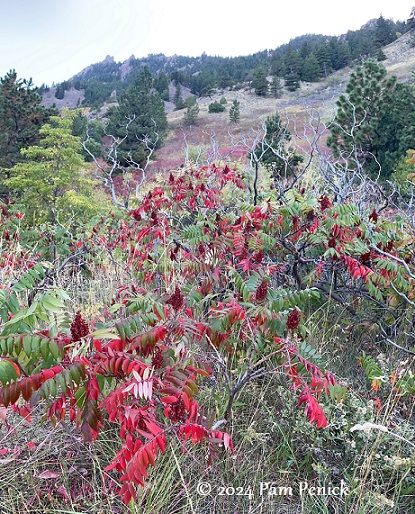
(52, 40)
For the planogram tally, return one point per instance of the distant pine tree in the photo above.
(260, 82)
(292, 81)
(216, 107)
(234, 112)
(191, 114)
(140, 115)
(276, 87)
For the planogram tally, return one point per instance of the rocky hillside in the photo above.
(214, 132)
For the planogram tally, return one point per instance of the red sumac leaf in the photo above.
(25, 413)
(47, 374)
(227, 441)
(169, 399)
(14, 392)
(145, 434)
(161, 441)
(26, 388)
(63, 492)
(152, 427)
(313, 410)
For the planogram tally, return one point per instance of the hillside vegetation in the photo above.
(211, 309)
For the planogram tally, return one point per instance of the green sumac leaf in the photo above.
(104, 333)
(54, 349)
(80, 397)
(61, 381)
(8, 372)
(4, 314)
(44, 349)
(52, 304)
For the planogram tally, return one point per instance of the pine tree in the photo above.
(324, 58)
(161, 84)
(384, 33)
(215, 107)
(293, 65)
(21, 117)
(260, 82)
(292, 81)
(60, 92)
(191, 114)
(276, 87)
(272, 151)
(311, 69)
(178, 98)
(234, 112)
(140, 115)
(48, 182)
(375, 121)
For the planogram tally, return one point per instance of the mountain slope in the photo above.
(215, 134)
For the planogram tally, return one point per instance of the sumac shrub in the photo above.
(208, 278)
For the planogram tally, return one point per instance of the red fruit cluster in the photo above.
(293, 319)
(176, 299)
(177, 410)
(261, 292)
(374, 216)
(258, 256)
(325, 203)
(79, 327)
(136, 214)
(157, 360)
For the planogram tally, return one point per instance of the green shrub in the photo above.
(216, 107)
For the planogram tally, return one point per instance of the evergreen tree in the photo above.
(21, 117)
(273, 152)
(234, 112)
(178, 98)
(292, 69)
(292, 81)
(311, 69)
(191, 114)
(359, 110)
(48, 182)
(90, 132)
(60, 92)
(140, 115)
(225, 80)
(323, 56)
(215, 107)
(340, 52)
(395, 131)
(375, 121)
(276, 87)
(190, 100)
(384, 32)
(260, 82)
(161, 84)
(202, 84)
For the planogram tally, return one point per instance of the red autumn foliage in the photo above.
(239, 274)
(313, 410)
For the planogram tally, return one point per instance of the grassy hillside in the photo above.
(299, 108)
